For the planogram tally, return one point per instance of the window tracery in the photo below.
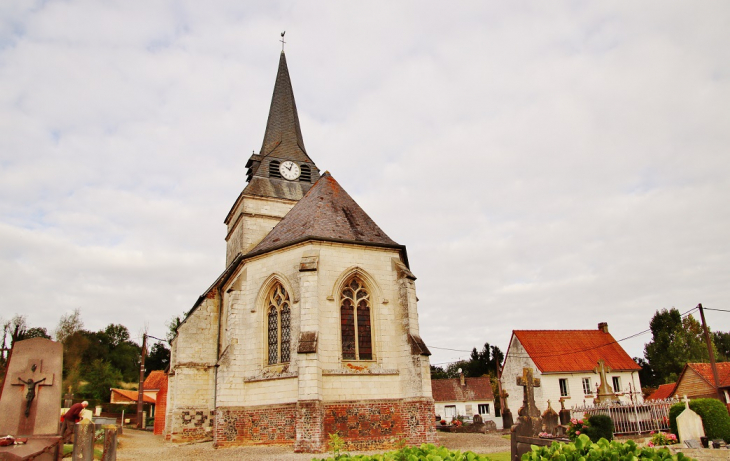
(355, 321)
(278, 325)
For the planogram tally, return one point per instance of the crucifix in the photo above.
(529, 384)
(282, 41)
(31, 377)
(686, 402)
(605, 393)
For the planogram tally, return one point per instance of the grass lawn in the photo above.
(500, 456)
(68, 451)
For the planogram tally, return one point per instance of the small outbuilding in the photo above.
(463, 397)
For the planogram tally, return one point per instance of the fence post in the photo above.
(110, 443)
(83, 440)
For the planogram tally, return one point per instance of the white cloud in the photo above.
(547, 165)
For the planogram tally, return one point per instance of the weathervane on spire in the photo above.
(282, 41)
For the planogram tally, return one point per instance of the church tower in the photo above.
(312, 327)
(278, 176)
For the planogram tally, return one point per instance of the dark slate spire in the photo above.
(283, 136)
(328, 213)
(282, 142)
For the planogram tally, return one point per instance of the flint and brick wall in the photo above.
(269, 425)
(379, 424)
(160, 409)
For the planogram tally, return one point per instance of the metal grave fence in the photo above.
(630, 418)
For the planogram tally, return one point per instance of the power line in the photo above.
(580, 350)
(719, 310)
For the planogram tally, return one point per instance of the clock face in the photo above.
(289, 170)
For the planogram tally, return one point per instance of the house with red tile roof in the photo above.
(566, 362)
(697, 381)
(463, 396)
(663, 392)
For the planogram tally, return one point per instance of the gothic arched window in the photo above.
(278, 325)
(355, 321)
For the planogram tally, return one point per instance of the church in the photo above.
(312, 328)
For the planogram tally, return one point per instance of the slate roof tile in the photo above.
(326, 212)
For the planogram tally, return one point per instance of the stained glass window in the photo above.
(355, 323)
(279, 325)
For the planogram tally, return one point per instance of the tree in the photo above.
(646, 375)
(675, 342)
(68, 325)
(158, 359)
(722, 342)
(101, 376)
(116, 334)
(173, 325)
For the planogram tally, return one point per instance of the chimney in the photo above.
(603, 326)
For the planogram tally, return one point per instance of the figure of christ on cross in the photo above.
(31, 392)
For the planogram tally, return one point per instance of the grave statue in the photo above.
(604, 394)
(31, 392)
(30, 402)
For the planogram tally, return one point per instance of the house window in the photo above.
(483, 408)
(355, 321)
(564, 391)
(617, 384)
(274, 169)
(450, 411)
(279, 325)
(587, 390)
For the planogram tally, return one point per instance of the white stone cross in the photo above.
(686, 402)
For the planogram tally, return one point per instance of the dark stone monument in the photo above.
(30, 403)
(550, 420)
(564, 413)
(507, 420)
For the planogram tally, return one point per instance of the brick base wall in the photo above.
(160, 409)
(380, 424)
(270, 424)
(364, 425)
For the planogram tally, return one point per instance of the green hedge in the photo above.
(714, 416)
(599, 427)
(424, 452)
(583, 449)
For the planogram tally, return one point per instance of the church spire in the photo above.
(283, 136)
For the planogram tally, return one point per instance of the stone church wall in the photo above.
(251, 221)
(192, 375)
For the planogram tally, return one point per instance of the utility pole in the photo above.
(140, 395)
(712, 354)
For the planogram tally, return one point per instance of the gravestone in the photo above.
(564, 413)
(31, 398)
(689, 424)
(529, 422)
(550, 420)
(507, 420)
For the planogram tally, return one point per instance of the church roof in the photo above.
(326, 212)
(566, 351)
(283, 136)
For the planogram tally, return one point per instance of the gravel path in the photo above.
(143, 446)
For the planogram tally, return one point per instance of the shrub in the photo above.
(660, 438)
(600, 426)
(584, 449)
(714, 416)
(576, 428)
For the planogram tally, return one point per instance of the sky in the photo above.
(549, 165)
